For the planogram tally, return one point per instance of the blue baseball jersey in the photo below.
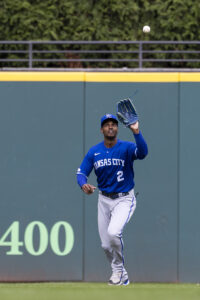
(114, 166)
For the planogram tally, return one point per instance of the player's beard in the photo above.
(110, 137)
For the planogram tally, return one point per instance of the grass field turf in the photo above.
(98, 291)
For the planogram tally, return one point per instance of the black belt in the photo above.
(114, 195)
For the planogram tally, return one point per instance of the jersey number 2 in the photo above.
(120, 176)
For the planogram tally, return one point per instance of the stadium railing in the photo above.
(99, 54)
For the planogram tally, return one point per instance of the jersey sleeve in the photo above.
(81, 179)
(86, 165)
(139, 149)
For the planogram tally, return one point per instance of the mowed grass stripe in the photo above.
(98, 291)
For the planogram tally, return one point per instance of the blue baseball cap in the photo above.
(108, 117)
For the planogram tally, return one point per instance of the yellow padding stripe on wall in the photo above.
(100, 76)
(132, 77)
(190, 77)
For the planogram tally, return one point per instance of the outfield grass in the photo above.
(98, 291)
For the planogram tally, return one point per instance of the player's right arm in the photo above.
(83, 172)
(88, 188)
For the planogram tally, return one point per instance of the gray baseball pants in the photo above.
(113, 215)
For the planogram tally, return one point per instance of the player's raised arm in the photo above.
(128, 116)
(141, 149)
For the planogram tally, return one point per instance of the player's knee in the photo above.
(113, 233)
(106, 248)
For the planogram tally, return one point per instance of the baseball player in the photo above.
(112, 161)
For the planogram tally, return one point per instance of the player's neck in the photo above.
(110, 143)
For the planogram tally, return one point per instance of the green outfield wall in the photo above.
(48, 228)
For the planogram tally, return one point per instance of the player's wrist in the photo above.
(134, 130)
(134, 127)
(137, 131)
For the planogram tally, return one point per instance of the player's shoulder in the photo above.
(125, 144)
(95, 148)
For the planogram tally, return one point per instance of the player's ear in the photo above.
(101, 130)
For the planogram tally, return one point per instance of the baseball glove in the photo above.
(126, 112)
